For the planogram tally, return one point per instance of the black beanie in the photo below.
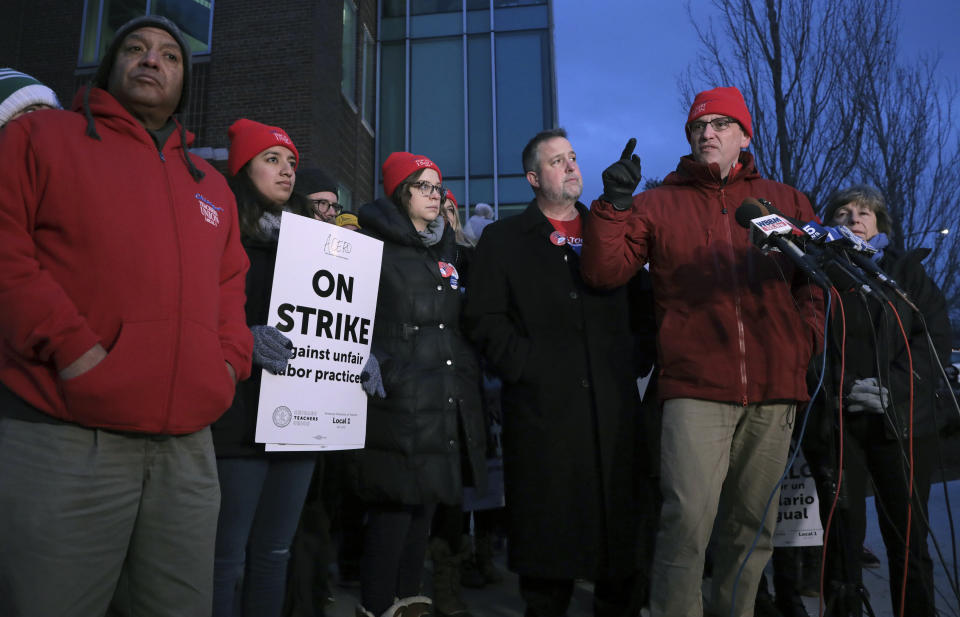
(102, 77)
(314, 180)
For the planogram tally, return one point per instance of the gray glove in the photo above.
(370, 379)
(867, 395)
(271, 349)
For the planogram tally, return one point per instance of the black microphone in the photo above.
(767, 229)
(853, 247)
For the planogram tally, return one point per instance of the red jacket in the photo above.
(113, 242)
(735, 325)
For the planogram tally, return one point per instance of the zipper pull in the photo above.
(162, 157)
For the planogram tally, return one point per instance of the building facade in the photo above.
(300, 65)
(467, 83)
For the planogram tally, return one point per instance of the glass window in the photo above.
(478, 21)
(481, 191)
(102, 18)
(481, 105)
(424, 7)
(521, 77)
(369, 78)
(436, 24)
(521, 18)
(392, 129)
(514, 189)
(348, 51)
(501, 3)
(436, 102)
(393, 20)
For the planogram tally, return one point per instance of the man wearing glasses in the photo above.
(736, 331)
(321, 190)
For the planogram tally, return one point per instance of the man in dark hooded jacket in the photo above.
(123, 330)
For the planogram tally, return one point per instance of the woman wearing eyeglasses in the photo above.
(891, 393)
(261, 494)
(321, 191)
(423, 382)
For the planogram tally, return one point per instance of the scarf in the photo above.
(879, 242)
(269, 225)
(434, 231)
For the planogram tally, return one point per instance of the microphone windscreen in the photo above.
(749, 209)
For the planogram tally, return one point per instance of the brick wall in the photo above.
(277, 63)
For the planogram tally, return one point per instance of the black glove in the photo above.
(370, 379)
(271, 349)
(620, 180)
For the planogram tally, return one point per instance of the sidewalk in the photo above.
(503, 599)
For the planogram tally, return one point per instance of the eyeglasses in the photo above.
(322, 206)
(719, 125)
(426, 189)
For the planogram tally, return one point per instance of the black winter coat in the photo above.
(431, 419)
(873, 337)
(234, 432)
(570, 402)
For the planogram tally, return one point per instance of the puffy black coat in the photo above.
(873, 337)
(431, 418)
(570, 402)
(234, 432)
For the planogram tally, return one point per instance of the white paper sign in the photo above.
(798, 519)
(324, 299)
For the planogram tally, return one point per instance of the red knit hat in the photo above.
(400, 165)
(450, 196)
(249, 138)
(725, 101)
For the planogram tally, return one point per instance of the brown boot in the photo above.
(446, 579)
(484, 556)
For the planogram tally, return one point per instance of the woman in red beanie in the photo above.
(261, 494)
(424, 426)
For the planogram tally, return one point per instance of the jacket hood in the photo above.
(98, 105)
(691, 171)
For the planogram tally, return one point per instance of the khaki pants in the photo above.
(92, 520)
(718, 461)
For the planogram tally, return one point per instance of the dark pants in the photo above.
(261, 503)
(546, 597)
(394, 547)
(91, 519)
(868, 453)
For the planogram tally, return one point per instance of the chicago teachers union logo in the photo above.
(282, 416)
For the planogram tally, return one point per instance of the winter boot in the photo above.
(414, 606)
(446, 579)
(484, 556)
(470, 575)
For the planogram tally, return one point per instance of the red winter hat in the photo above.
(400, 165)
(725, 101)
(450, 196)
(249, 138)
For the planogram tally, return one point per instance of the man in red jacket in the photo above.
(123, 335)
(736, 330)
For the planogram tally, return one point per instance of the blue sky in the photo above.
(618, 64)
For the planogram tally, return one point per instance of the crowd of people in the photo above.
(134, 295)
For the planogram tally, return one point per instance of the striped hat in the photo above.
(19, 90)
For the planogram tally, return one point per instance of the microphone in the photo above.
(854, 247)
(768, 229)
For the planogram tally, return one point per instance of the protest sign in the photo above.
(798, 519)
(324, 299)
